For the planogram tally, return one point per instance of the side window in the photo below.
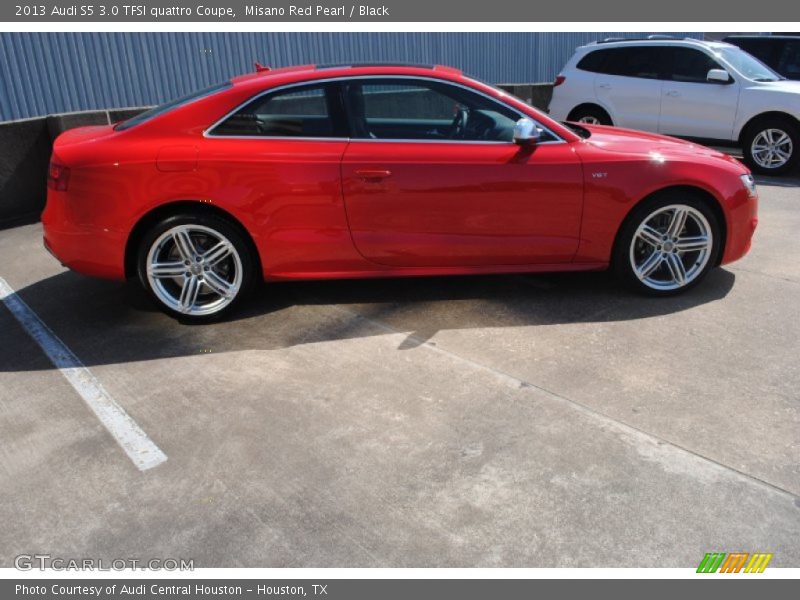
(633, 61)
(420, 110)
(593, 62)
(690, 66)
(294, 112)
(790, 59)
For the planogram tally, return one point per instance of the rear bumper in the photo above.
(87, 248)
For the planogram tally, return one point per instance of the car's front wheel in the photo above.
(196, 267)
(668, 244)
(771, 146)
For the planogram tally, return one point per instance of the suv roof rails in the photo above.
(652, 38)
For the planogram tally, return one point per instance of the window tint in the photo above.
(418, 110)
(690, 65)
(168, 106)
(295, 112)
(633, 61)
(593, 62)
(790, 59)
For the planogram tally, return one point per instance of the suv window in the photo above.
(405, 109)
(689, 65)
(632, 61)
(302, 111)
(790, 59)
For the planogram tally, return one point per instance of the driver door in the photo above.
(432, 178)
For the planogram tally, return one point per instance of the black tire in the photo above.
(204, 231)
(756, 131)
(590, 114)
(695, 264)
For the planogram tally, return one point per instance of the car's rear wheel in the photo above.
(771, 146)
(667, 244)
(591, 115)
(195, 267)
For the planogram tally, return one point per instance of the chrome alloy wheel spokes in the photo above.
(671, 247)
(771, 148)
(589, 120)
(194, 269)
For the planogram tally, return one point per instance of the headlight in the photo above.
(750, 184)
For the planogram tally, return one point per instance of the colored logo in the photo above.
(735, 562)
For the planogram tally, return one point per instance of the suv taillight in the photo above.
(559, 80)
(57, 177)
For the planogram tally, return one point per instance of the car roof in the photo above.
(311, 72)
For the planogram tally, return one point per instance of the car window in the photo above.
(295, 112)
(168, 106)
(420, 110)
(689, 65)
(790, 59)
(747, 65)
(633, 61)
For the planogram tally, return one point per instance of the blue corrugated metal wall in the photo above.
(46, 73)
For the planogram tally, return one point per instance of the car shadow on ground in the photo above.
(112, 323)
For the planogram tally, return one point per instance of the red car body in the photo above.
(345, 208)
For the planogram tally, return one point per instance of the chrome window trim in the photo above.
(207, 132)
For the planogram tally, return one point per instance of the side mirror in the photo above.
(718, 76)
(526, 133)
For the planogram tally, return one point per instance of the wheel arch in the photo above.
(593, 105)
(770, 114)
(700, 193)
(168, 209)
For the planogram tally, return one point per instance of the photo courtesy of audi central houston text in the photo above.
(385, 299)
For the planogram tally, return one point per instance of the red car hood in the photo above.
(629, 141)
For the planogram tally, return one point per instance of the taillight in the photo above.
(57, 177)
(559, 80)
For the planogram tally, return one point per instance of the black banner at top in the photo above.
(718, 11)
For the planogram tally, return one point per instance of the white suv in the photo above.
(708, 91)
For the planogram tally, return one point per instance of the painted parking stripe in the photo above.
(139, 448)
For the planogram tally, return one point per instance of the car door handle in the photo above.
(673, 93)
(604, 86)
(373, 174)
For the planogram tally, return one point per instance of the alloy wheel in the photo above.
(671, 247)
(194, 270)
(771, 148)
(590, 120)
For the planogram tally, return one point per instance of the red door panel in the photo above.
(445, 204)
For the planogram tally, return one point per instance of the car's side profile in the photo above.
(710, 91)
(381, 171)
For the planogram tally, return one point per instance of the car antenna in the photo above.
(262, 68)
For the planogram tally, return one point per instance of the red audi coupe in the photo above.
(349, 171)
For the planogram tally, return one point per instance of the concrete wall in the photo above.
(25, 148)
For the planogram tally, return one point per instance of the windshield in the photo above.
(168, 106)
(748, 65)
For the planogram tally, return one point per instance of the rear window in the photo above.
(172, 104)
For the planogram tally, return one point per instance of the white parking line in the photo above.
(139, 448)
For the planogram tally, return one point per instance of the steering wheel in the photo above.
(459, 125)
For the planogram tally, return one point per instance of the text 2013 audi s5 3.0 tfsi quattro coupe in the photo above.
(354, 171)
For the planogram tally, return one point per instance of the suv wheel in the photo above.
(771, 146)
(591, 115)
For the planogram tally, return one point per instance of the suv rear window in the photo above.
(633, 61)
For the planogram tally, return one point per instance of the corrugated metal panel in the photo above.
(46, 73)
